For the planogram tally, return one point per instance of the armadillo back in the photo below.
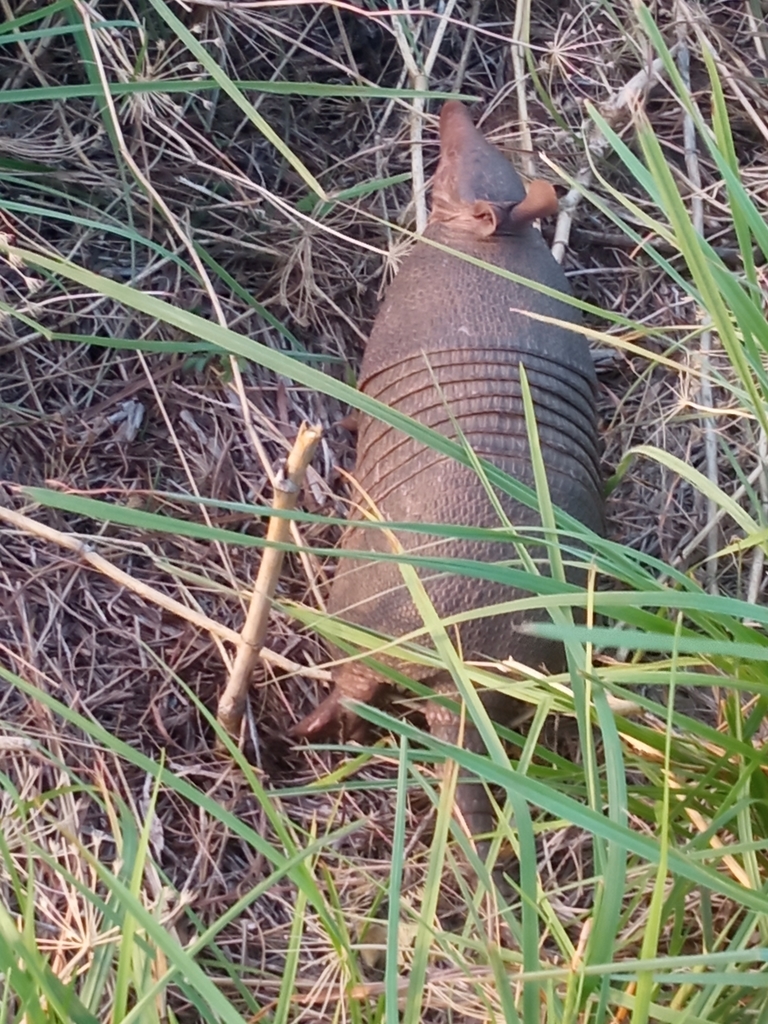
(447, 346)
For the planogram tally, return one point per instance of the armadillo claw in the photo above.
(320, 719)
(353, 681)
(331, 716)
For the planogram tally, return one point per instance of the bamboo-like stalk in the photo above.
(288, 484)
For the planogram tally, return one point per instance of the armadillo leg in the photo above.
(320, 719)
(472, 800)
(352, 680)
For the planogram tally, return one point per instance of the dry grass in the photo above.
(137, 426)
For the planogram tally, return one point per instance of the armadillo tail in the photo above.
(473, 805)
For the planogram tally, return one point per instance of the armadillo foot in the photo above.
(321, 719)
(331, 714)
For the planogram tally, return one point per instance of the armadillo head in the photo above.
(476, 189)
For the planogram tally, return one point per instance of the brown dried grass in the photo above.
(66, 408)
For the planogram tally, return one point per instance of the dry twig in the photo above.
(705, 342)
(149, 594)
(288, 484)
(521, 35)
(596, 146)
(419, 77)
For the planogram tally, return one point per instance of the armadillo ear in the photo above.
(545, 197)
(541, 201)
(485, 218)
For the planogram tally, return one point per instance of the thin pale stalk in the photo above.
(288, 484)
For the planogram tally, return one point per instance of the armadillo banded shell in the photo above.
(430, 471)
(487, 372)
(375, 596)
(486, 423)
(474, 370)
(567, 367)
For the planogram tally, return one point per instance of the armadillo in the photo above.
(446, 348)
